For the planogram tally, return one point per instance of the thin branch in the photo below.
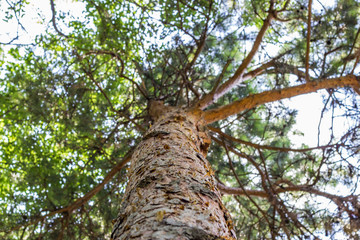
(308, 37)
(258, 146)
(242, 186)
(352, 48)
(338, 200)
(200, 44)
(142, 87)
(321, 118)
(355, 65)
(255, 100)
(271, 194)
(272, 63)
(54, 20)
(247, 157)
(139, 127)
(13, 7)
(287, 68)
(117, 56)
(9, 110)
(259, 70)
(106, 52)
(81, 201)
(100, 88)
(190, 85)
(221, 76)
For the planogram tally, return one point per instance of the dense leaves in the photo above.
(74, 101)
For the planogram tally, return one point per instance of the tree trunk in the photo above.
(171, 192)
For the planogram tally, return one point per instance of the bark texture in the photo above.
(172, 193)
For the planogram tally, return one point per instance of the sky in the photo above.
(36, 19)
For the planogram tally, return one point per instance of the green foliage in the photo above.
(73, 103)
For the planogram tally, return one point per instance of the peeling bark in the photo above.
(172, 192)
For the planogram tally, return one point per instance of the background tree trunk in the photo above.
(172, 193)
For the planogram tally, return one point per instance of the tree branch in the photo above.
(238, 75)
(138, 126)
(290, 69)
(255, 100)
(53, 19)
(344, 203)
(308, 36)
(258, 146)
(81, 201)
(117, 56)
(241, 185)
(352, 48)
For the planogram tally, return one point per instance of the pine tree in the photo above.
(170, 120)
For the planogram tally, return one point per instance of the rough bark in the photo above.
(171, 192)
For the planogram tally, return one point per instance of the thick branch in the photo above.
(254, 100)
(238, 75)
(259, 70)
